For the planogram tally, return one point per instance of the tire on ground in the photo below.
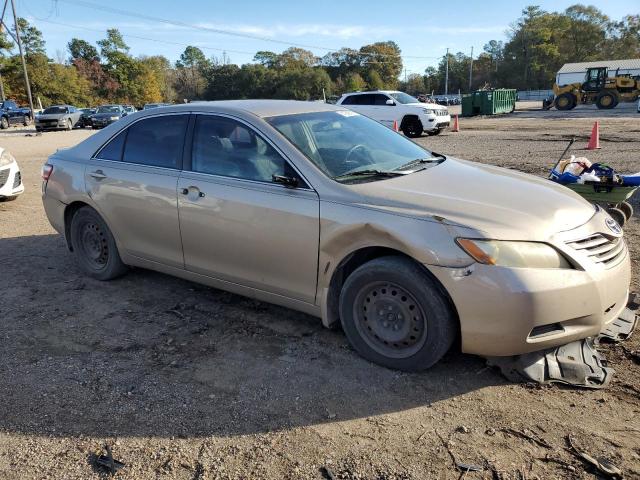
(418, 292)
(565, 101)
(606, 100)
(94, 247)
(411, 126)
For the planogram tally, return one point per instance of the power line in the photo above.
(220, 31)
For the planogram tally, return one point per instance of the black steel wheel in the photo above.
(412, 127)
(395, 314)
(390, 319)
(94, 246)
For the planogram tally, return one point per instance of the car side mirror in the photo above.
(124, 114)
(289, 182)
(390, 102)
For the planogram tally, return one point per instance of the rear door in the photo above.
(238, 225)
(133, 179)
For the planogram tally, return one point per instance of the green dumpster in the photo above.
(489, 102)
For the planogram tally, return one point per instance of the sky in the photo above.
(423, 30)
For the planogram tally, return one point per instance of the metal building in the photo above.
(575, 72)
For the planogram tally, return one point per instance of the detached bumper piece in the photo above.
(577, 363)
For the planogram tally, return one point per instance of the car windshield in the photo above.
(350, 147)
(108, 109)
(402, 97)
(54, 110)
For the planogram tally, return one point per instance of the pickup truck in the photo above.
(12, 114)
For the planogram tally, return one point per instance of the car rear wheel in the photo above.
(412, 127)
(437, 131)
(94, 246)
(394, 314)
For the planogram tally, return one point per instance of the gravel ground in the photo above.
(184, 381)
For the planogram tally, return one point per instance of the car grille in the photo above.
(600, 249)
(17, 180)
(49, 123)
(4, 175)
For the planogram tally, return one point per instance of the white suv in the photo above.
(10, 178)
(388, 106)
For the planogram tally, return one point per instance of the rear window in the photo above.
(156, 141)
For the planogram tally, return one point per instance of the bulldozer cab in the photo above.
(595, 79)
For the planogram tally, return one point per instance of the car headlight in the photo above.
(513, 254)
(6, 159)
(114, 118)
(428, 110)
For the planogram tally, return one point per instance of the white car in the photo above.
(10, 178)
(387, 107)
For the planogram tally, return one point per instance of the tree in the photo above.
(354, 83)
(374, 81)
(31, 38)
(190, 73)
(82, 49)
(266, 58)
(384, 58)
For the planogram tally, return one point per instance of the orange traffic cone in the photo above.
(456, 125)
(395, 126)
(594, 140)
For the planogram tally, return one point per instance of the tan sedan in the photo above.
(325, 211)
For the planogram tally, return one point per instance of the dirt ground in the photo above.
(188, 382)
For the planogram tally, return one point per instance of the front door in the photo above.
(238, 225)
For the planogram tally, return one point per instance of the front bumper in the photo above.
(431, 122)
(511, 311)
(10, 181)
(50, 125)
(101, 123)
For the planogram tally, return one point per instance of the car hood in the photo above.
(433, 106)
(497, 202)
(105, 115)
(51, 116)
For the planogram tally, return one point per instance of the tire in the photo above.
(9, 199)
(626, 208)
(4, 123)
(412, 127)
(618, 215)
(94, 246)
(69, 125)
(606, 100)
(437, 131)
(565, 101)
(409, 325)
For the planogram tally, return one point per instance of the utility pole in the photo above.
(471, 70)
(446, 74)
(405, 75)
(24, 63)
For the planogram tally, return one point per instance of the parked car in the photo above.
(10, 177)
(12, 114)
(154, 105)
(58, 117)
(130, 109)
(106, 115)
(85, 117)
(320, 209)
(387, 107)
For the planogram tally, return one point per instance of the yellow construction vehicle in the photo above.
(606, 92)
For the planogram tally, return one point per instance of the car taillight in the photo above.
(47, 170)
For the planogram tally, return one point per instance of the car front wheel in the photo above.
(94, 246)
(412, 127)
(394, 314)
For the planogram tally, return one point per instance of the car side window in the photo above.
(113, 149)
(226, 147)
(350, 100)
(156, 141)
(380, 99)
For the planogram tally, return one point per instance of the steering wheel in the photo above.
(365, 153)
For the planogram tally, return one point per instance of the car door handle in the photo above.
(185, 191)
(98, 175)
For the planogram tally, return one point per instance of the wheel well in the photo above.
(358, 258)
(69, 212)
(408, 118)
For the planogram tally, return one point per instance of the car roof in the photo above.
(260, 108)
(372, 91)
